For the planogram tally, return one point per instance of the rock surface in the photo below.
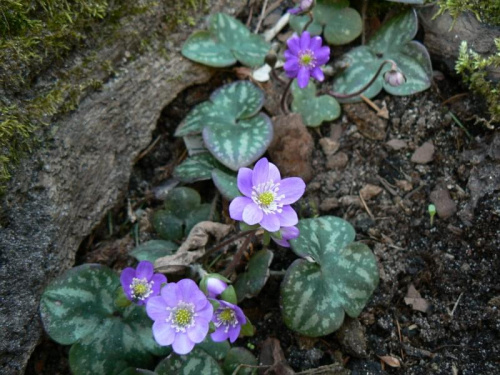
(63, 190)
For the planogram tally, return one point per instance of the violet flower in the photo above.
(215, 287)
(303, 7)
(287, 234)
(267, 197)
(181, 315)
(228, 319)
(304, 57)
(141, 283)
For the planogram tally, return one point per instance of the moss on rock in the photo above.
(487, 11)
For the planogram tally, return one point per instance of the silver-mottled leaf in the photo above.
(241, 144)
(226, 183)
(344, 26)
(198, 167)
(238, 357)
(197, 362)
(217, 350)
(238, 100)
(395, 33)
(201, 47)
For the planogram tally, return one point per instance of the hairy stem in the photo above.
(284, 106)
(229, 241)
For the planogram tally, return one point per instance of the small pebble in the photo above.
(337, 161)
(424, 154)
(445, 206)
(370, 191)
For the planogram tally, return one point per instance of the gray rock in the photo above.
(445, 206)
(424, 154)
(351, 336)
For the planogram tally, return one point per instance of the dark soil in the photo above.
(453, 263)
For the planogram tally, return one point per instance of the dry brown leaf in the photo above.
(416, 301)
(193, 247)
(391, 361)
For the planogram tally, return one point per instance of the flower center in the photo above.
(266, 198)
(182, 316)
(226, 317)
(307, 59)
(140, 288)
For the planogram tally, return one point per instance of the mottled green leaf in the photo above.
(198, 167)
(74, 304)
(197, 362)
(340, 24)
(250, 283)
(203, 48)
(216, 350)
(335, 277)
(392, 41)
(238, 100)
(248, 48)
(136, 371)
(314, 110)
(240, 145)
(154, 249)
(226, 183)
(194, 121)
(182, 211)
(78, 307)
(236, 358)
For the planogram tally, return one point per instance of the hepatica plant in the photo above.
(137, 320)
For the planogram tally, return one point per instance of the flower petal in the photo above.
(171, 294)
(303, 77)
(317, 73)
(219, 335)
(156, 308)
(234, 332)
(260, 172)
(144, 270)
(305, 40)
(237, 206)
(182, 344)
(190, 292)
(292, 64)
(316, 43)
(126, 278)
(322, 55)
(215, 287)
(163, 333)
(274, 173)
(206, 312)
(291, 73)
(252, 214)
(287, 217)
(270, 222)
(289, 55)
(292, 188)
(157, 280)
(245, 181)
(283, 243)
(294, 44)
(198, 332)
(289, 233)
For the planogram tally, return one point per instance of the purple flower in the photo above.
(141, 284)
(215, 287)
(182, 315)
(267, 197)
(303, 7)
(228, 320)
(304, 57)
(287, 233)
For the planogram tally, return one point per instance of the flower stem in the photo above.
(227, 242)
(284, 107)
(338, 95)
(311, 19)
(237, 257)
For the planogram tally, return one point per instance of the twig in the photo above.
(387, 185)
(366, 207)
(400, 338)
(411, 193)
(311, 19)
(284, 107)
(261, 18)
(381, 112)
(272, 7)
(147, 150)
(455, 97)
(456, 304)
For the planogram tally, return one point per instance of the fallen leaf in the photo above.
(416, 301)
(391, 361)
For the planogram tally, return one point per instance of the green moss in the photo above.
(487, 11)
(474, 70)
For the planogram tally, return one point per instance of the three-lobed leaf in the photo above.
(392, 41)
(226, 42)
(314, 110)
(335, 277)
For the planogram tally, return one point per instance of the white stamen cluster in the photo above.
(307, 59)
(266, 196)
(140, 288)
(182, 316)
(225, 317)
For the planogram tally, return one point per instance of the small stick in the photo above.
(261, 18)
(226, 242)
(237, 257)
(381, 112)
(366, 206)
(456, 304)
(147, 150)
(284, 107)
